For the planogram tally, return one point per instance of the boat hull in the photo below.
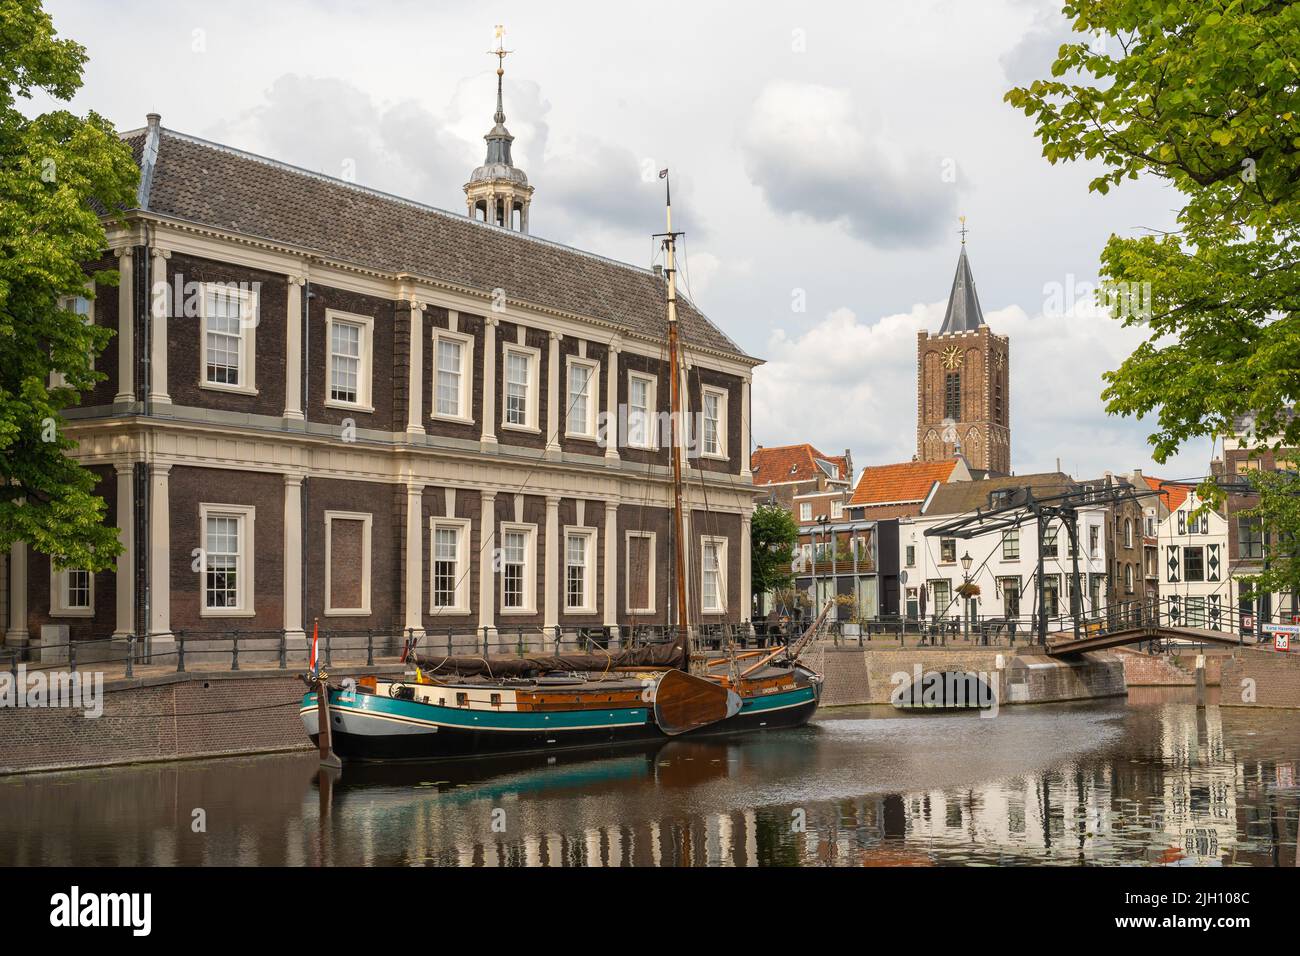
(366, 727)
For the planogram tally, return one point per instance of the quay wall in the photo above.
(161, 717)
(859, 676)
(1261, 678)
(1169, 670)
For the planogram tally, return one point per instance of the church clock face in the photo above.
(952, 357)
(999, 360)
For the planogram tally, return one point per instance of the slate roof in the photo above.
(213, 185)
(906, 482)
(795, 463)
(964, 313)
(960, 497)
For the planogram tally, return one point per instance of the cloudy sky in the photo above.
(821, 154)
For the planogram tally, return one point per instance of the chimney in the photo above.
(154, 120)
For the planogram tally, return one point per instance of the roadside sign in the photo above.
(1282, 629)
(1281, 642)
(1248, 621)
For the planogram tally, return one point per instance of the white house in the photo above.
(1196, 588)
(1003, 564)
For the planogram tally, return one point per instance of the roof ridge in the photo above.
(393, 197)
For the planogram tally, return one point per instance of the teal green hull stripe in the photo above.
(528, 720)
(486, 719)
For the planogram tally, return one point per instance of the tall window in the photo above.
(911, 556)
(577, 572)
(224, 334)
(519, 382)
(947, 550)
(72, 593)
(952, 396)
(450, 377)
(1250, 538)
(1128, 579)
(78, 590)
(1049, 542)
(446, 555)
(1194, 564)
(449, 564)
(715, 413)
(348, 340)
(1128, 532)
(1052, 594)
(1011, 545)
(837, 509)
(581, 407)
(712, 584)
(1010, 596)
(640, 410)
(941, 592)
(805, 511)
(345, 361)
(517, 568)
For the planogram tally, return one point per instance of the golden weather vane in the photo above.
(963, 229)
(500, 52)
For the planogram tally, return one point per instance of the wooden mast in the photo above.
(670, 237)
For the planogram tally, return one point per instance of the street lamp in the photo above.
(825, 522)
(966, 561)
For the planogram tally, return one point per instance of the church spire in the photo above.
(498, 191)
(964, 313)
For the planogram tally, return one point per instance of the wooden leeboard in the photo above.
(684, 702)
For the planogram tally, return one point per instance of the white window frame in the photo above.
(366, 519)
(59, 606)
(588, 535)
(466, 397)
(721, 395)
(365, 364)
(463, 528)
(530, 568)
(244, 581)
(651, 434)
(805, 511)
(593, 396)
(627, 571)
(248, 322)
(534, 357)
(721, 544)
(837, 508)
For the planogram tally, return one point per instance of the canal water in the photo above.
(1151, 780)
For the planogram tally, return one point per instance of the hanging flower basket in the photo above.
(969, 589)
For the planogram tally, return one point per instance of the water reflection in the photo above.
(1153, 780)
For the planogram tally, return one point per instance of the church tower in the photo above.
(497, 191)
(962, 383)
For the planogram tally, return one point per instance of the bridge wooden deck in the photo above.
(1065, 644)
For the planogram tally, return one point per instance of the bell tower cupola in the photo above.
(498, 191)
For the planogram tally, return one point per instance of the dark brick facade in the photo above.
(982, 362)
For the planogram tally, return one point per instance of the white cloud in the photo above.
(854, 384)
(807, 148)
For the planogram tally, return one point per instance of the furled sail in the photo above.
(653, 655)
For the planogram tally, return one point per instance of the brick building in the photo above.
(1245, 454)
(326, 401)
(963, 397)
(784, 473)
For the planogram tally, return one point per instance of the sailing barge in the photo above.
(468, 706)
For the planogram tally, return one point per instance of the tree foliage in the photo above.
(1205, 96)
(56, 171)
(773, 535)
(1278, 514)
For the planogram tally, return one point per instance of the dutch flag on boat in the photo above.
(315, 638)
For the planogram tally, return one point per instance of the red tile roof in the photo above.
(1174, 495)
(772, 466)
(907, 481)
